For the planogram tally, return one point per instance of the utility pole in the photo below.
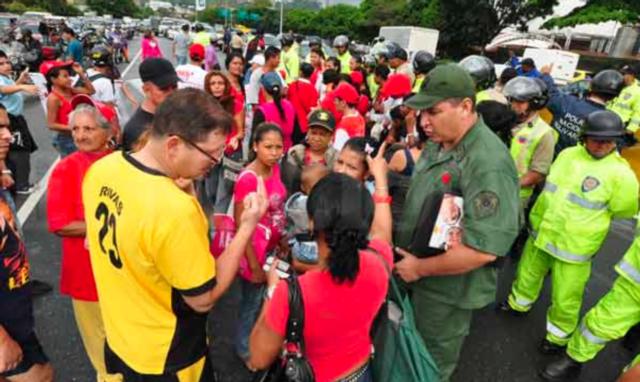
(281, 14)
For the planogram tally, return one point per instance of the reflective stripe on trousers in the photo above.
(629, 270)
(586, 333)
(556, 331)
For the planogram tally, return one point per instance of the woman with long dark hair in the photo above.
(276, 109)
(219, 86)
(352, 231)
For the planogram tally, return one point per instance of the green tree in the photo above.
(117, 8)
(377, 13)
(597, 11)
(480, 22)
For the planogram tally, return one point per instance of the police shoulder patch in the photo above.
(589, 184)
(485, 204)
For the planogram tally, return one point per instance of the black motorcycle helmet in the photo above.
(603, 124)
(607, 83)
(481, 69)
(315, 41)
(100, 56)
(423, 62)
(526, 89)
(286, 39)
(396, 51)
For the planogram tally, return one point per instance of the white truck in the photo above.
(412, 39)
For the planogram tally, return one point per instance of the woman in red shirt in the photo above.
(345, 290)
(235, 73)
(61, 89)
(92, 132)
(352, 124)
(219, 86)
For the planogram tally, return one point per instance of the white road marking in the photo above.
(32, 201)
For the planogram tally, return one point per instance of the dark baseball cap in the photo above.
(158, 71)
(322, 118)
(630, 69)
(444, 82)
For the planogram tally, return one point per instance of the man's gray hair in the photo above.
(89, 110)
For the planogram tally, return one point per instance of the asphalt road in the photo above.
(499, 348)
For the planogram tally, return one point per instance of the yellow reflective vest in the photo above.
(581, 196)
(627, 106)
(344, 62)
(524, 144)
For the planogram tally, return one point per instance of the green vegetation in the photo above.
(597, 11)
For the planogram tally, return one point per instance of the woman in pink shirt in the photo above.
(342, 296)
(150, 46)
(267, 150)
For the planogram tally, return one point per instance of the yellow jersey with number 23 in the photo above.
(149, 247)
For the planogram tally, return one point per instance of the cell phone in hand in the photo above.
(282, 268)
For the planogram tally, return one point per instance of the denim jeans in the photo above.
(181, 60)
(63, 143)
(251, 299)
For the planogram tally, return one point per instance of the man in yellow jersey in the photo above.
(148, 239)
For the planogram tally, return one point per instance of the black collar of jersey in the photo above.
(140, 166)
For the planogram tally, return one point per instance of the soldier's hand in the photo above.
(407, 268)
(546, 69)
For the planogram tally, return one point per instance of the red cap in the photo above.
(356, 78)
(347, 93)
(196, 52)
(397, 86)
(46, 66)
(107, 111)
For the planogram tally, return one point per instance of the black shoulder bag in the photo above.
(292, 366)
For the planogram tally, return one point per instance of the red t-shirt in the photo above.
(238, 106)
(354, 125)
(304, 96)
(328, 103)
(351, 307)
(64, 205)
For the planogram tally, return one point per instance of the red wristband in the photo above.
(382, 199)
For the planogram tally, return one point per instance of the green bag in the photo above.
(400, 354)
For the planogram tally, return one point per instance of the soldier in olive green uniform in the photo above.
(462, 155)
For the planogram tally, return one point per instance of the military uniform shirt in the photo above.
(481, 168)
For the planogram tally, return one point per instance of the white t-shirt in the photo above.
(191, 75)
(252, 89)
(105, 91)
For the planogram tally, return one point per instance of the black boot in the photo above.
(632, 339)
(564, 369)
(549, 348)
(504, 307)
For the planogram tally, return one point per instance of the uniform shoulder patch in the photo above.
(485, 204)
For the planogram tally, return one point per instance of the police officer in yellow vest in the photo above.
(483, 72)
(588, 185)
(423, 62)
(289, 60)
(533, 139)
(341, 45)
(627, 104)
(608, 320)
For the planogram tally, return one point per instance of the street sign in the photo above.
(201, 5)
